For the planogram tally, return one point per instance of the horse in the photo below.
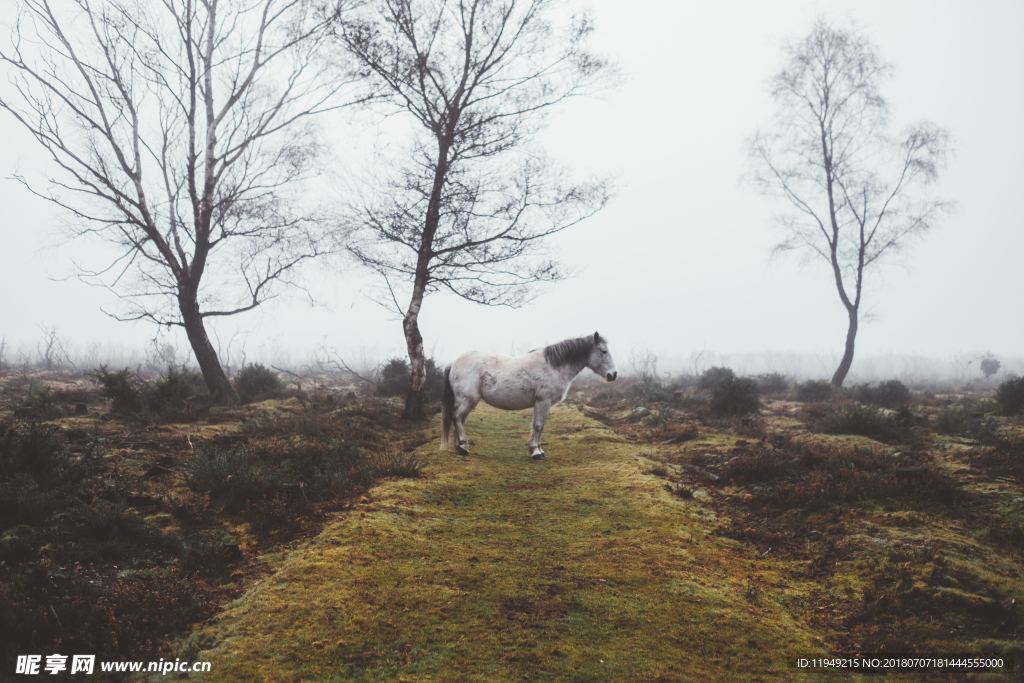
(538, 379)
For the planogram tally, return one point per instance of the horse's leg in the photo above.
(540, 414)
(463, 406)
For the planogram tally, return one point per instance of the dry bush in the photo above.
(255, 382)
(714, 376)
(395, 464)
(393, 379)
(734, 396)
(235, 477)
(177, 394)
(967, 421)
(1003, 455)
(813, 475)
(42, 402)
(1010, 396)
(813, 391)
(773, 383)
(888, 394)
(648, 389)
(79, 610)
(865, 420)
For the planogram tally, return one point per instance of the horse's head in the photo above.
(600, 360)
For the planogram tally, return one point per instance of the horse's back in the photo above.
(502, 381)
(474, 362)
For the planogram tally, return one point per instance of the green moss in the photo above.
(495, 567)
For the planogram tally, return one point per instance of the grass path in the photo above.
(496, 567)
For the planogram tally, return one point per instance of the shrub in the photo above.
(107, 614)
(255, 381)
(394, 379)
(678, 432)
(22, 501)
(1010, 395)
(735, 396)
(33, 449)
(964, 422)
(173, 394)
(37, 478)
(813, 390)
(795, 474)
(712, 377)
(660, 418)
(434, 383)
(231, 477)
(122, 389)
(315, 426)
(396, 464)
(1005, 455)
(237, 478)
(649, 389)
(38, 403)
(889, 394)
(863, 420)
(100, 530)
(773, 383)
(212, 552)
(331, 468)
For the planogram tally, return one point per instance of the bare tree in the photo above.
(469, 211)
(855, 194)
(52, 352)
(178, 131)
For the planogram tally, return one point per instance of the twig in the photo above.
(340, 363)
(298, 377)
(54, 612)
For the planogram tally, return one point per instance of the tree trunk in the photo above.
(415, 399)
(851, 337)
(217, 382)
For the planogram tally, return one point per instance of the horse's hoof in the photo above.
(538, 455)
(461, 450)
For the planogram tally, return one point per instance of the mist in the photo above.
(680, 262)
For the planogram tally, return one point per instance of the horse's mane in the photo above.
(574, 351)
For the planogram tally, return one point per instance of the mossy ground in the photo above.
(496, 567)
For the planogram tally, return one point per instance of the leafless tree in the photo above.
(179, 130)
(52, 352)
(469, 211)
(855, 194)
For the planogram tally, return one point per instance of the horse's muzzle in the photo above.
(611, 376)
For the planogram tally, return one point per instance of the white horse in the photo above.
(540, 379)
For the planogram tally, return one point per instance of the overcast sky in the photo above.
(681, 258)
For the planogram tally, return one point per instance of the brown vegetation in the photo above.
(127, 518)
(906, 520)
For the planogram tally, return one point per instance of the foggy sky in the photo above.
(680, 260)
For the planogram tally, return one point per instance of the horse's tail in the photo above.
(447, 408)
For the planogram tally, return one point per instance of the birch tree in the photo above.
(471, 209)
(855, 194)
(179, 131)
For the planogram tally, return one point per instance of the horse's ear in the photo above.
(597, 338)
